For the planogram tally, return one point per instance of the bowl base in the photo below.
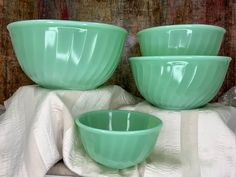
(179, 108)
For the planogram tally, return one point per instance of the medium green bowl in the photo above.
(67, 54)
(179, 82)
(118, 138)
(189, 39)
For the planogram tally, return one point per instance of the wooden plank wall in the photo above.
(133, 15)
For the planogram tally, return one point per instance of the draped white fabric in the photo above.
(38, 129)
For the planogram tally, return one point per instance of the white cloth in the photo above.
(38, 129)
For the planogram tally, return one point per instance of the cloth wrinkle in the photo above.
(189, 143)
(37, 130)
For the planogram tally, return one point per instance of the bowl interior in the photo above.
(118, 120)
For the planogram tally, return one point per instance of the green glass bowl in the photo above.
(62, 54)
(189, 39)
(179, 82)
(118, 138)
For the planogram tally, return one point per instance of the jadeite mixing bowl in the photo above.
(189, 39)
(118, 138)
(179, 82)
(67, 54)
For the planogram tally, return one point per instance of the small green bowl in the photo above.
(62, 54)
(118, 138)
(179, 82)
(188, 39)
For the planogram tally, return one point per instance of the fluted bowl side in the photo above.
(118, 138)
(62, 54)
(179, 82)
(187, 39)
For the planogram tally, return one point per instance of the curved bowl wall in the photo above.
(179, 82)
(118, 138)
(61, 54)
(189, 39)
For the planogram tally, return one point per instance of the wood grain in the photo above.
(130, 14)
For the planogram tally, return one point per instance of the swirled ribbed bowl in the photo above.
(67, 54)
(179, 82)
(118, 138)
(189, 39)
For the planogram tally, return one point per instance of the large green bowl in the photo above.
(189, 39)
(179, 82)
(118, 138)
(67, 54)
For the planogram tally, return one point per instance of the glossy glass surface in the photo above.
(118, 138)
(192, 39)
(67, 54)
(179, 82)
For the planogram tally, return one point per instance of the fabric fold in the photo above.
(37, 130)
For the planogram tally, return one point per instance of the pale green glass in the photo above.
(179, 82)
(188, 39)
(67, 54)
(118, 138)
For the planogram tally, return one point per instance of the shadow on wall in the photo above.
(123, 74)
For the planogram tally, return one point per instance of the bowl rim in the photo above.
(69, 23)
(182, 26)
(97, 130)
(181, 58)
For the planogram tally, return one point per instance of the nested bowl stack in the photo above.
(61, 54)
(179, 68)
